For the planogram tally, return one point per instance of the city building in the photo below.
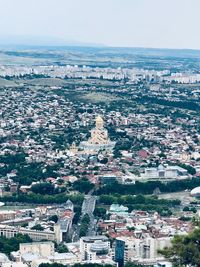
(10, 231)
(169, 172)
(65, 219)
(7, 215)
(141, 249)
(99, 139)
(92, 246)
(44, 249)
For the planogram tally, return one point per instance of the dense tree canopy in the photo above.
(47, 189)
(43, 188)
(185, 250)
(53, 218)
(44, 199)
(8, 245)
(61, 248)
(149, 187)
(139, 202)
(38, 227)
(84, 225)
(83, 185)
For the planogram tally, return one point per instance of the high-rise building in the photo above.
(139, 249)
(119, 252)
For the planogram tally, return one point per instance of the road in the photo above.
(88, 207)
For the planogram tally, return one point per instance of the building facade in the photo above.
(92, 246)
(10, 231)
(45, 249)
(99, 139)
(140, 250)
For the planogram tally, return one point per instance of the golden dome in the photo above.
(99, 121)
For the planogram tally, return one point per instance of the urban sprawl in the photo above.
(97, 164)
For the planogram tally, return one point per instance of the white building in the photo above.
(169, 172)
(11, 231)
(64, 258)
(44, 249)
(140, 249)
(3, 258)
(92, 246)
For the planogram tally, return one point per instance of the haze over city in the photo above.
(99, 133)
(132, 23)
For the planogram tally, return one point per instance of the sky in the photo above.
(128, 23)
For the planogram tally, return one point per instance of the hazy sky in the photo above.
(137, 23)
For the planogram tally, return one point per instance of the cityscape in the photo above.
(99, 155)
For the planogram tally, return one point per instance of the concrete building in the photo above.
(169, 172)
(65, 220)
(131, 249)
(91, 246)
(44, 249)
(7, 215)
(10, 231)
(64, 258)
(3, 258)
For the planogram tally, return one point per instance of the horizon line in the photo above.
(91, 45)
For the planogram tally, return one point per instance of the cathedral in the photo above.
(99, 139)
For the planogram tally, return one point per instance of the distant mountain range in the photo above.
(54, 43)
(12, 41)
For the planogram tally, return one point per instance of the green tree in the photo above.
(38, 227)
(189, 168)
(185, 250)
(86, 219)
(100, 212)
(8, 245)
(61, 248)
(83, 185)
(43, 188)
(84, 225)
(53, 218)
